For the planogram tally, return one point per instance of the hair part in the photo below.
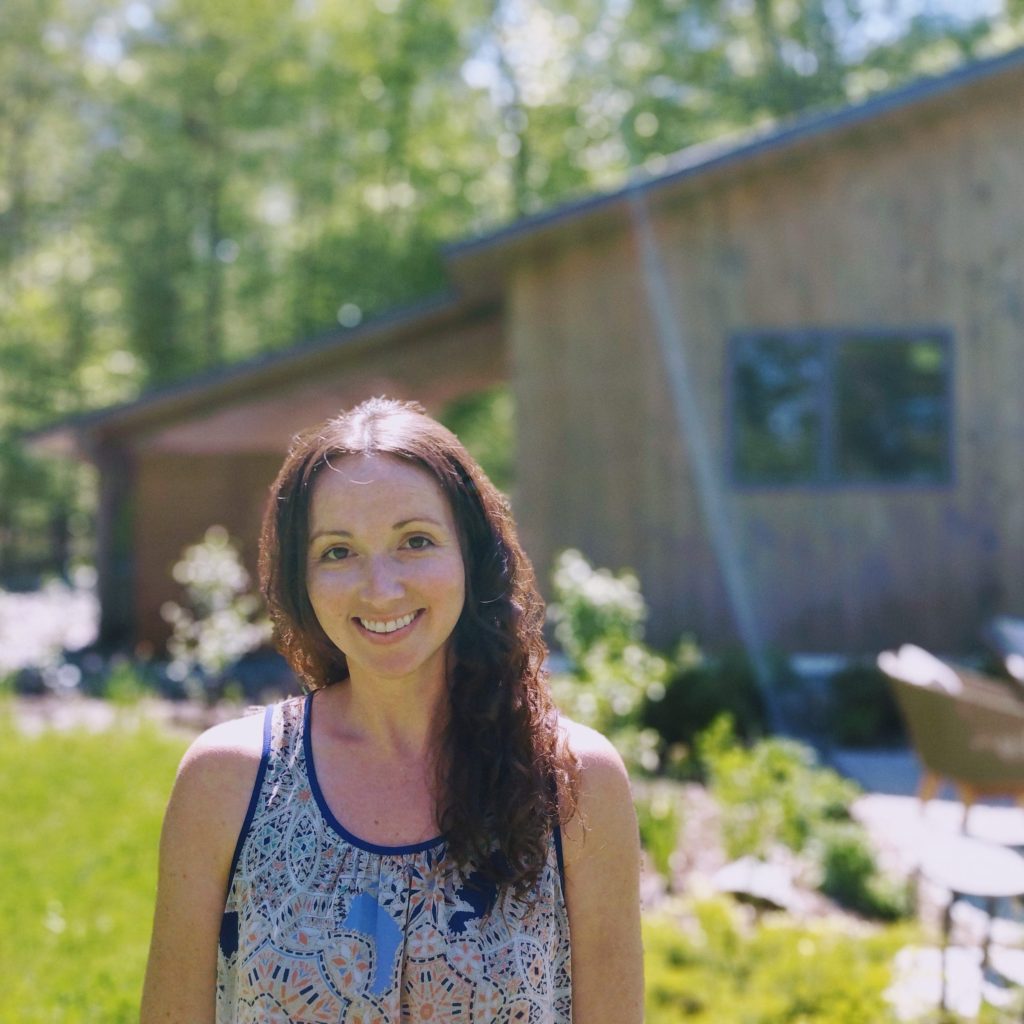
(501, 761)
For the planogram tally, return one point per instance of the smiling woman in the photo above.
(405, 842)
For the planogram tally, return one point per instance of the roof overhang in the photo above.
(231, 388)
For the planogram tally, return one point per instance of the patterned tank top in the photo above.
(321, 926)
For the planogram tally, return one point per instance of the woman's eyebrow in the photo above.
(401, 524)
(328, 533)
(417, 519)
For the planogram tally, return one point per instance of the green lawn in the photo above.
(80, 821)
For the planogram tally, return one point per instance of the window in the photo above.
(841, 407)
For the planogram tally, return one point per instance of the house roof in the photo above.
(473, 262)
(476, 264)
(240, 380)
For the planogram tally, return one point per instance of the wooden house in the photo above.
(780, 376)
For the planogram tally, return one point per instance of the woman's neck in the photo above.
(395, 722)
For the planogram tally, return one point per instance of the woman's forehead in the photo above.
(360, 486)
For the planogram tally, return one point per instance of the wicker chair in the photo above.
(964, 726)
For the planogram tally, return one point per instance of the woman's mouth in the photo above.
(384, 627)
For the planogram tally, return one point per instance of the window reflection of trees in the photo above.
(779, 426)
(840, 406)
(891, 409)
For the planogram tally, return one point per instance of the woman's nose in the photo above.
(383, 581)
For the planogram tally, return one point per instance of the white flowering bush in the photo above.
(594, 607)
(599, 625)
(36, 629)
(222, 620)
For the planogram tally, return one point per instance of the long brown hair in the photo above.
(501, 762)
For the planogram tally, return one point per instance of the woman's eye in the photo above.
(335, 554)
(419, 542)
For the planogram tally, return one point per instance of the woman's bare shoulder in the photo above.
(600, 830)
(201, 829)
(217, 774)
(603, 800)
(235, 741)
(226, 749)
(591, 748)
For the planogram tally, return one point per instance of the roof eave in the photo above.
(79, 435)
(474, 263)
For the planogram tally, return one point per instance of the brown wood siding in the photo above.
(177, 498)
(432, 368)
(907, 222)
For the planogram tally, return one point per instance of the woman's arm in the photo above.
(602, 868)
(204, 816)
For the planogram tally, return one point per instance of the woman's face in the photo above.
(384, 569)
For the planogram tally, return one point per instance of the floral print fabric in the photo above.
(321, 927)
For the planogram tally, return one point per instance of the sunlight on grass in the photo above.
(81, 819)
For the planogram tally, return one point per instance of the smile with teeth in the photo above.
(386, 625)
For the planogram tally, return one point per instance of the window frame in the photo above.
(829, 341)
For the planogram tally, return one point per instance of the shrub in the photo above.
(713, 966)
(698, 689)
(861, 708)
(598, 621)
(774, 794)
(222, 621)
(850, 875)
(770, 793)
(659, 819)
(124, 683)
(594, 608)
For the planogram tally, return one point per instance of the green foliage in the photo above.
(81, 814)
(598, 619)
(770, 793)
(652, 707)
(714, 966)
(861, 709)
(660, 822)
(223, 619)
(850, 875)
(123, 684)
(485, 423)
(699, 689)
(595, 608)
(774, 794)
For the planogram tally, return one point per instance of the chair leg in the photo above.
(968, 795)
(928, 787)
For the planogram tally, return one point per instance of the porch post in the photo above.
(114, 535)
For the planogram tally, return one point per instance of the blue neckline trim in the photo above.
(332, 821)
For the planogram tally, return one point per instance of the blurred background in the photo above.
(728, 295)
(185, 185)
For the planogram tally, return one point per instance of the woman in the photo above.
(420, 837)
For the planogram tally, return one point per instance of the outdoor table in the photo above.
(971, 868)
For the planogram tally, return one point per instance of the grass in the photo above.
(81, 820)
